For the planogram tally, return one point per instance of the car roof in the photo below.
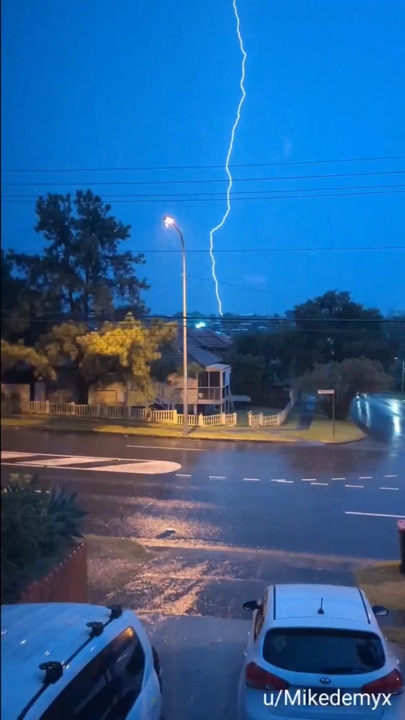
(298, 604)
(42, 632)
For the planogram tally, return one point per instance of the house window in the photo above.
(215, 379)
(203, 379)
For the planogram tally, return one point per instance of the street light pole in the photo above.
(169, 222)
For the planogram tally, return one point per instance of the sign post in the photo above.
(330, 392)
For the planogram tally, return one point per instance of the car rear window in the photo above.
(313, 650)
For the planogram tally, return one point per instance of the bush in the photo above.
(38, 527)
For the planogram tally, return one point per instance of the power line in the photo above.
(223, 320)
(203, 167)
(209, 180)
(248, 288)
(153, 201)
(221, 195)
(251, 250)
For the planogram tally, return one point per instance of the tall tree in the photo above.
(125, 349)
(346, 379)
(83, 271)
(32, 303)
(11, 288)
(333, 327)
(14, 355)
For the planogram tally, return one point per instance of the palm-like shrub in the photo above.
(36, 526)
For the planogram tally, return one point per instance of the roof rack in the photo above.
(54, 669)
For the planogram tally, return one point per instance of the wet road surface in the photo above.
(227, 519)
(328, 500)
(383, 418)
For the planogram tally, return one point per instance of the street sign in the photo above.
(326, 392)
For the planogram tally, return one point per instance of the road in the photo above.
(383, 418)
(327, 500)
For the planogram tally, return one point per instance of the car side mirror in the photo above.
(380, 611)
(251, 605)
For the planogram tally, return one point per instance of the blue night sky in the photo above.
(144, 84)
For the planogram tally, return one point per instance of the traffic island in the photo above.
(319, 432)
(385, 585)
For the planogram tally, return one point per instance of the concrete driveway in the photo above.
(201, 661)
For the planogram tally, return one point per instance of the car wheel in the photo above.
(156, 665)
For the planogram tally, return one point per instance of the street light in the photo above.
(170, 222)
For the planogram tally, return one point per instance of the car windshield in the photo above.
(313, 650)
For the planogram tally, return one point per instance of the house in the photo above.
(209, 389)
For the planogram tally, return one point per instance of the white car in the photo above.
(68, 661)
(316, 652)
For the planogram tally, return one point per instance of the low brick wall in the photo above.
(66, 583)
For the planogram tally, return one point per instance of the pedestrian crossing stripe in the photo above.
(60, 462)
(15, 455)
(139, 466)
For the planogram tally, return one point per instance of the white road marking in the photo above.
(11, 455)
(128, 465)
(397, 517)
(283, 481)
(355, 486)
(390, 476)
(388, 488)
(153, 447)
(278, 480)
(319, 483)
(308, 479)
(365, 477)
(84, 457)
(153, 467)
(338, 478)
(251, 479)
(182, 474)
(217, 477)
(57, 462)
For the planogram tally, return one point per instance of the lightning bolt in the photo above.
(228, 157)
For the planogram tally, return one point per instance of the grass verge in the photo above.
(83, 425)
(384, 585)
(320, 430)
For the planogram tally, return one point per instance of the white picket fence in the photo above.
(171, 417)
(122, 412)
(260, 420)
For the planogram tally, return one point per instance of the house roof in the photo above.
(198, 354)
(209, 338)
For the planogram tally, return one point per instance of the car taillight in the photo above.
(260, 679)
(392, 683)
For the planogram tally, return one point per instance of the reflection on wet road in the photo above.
(383, 418)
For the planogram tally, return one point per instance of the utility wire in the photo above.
(209, 180)
(202, 167)
(222, 320)
(151, 200)
(221, 195)
(251, 250)
(248, 288)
